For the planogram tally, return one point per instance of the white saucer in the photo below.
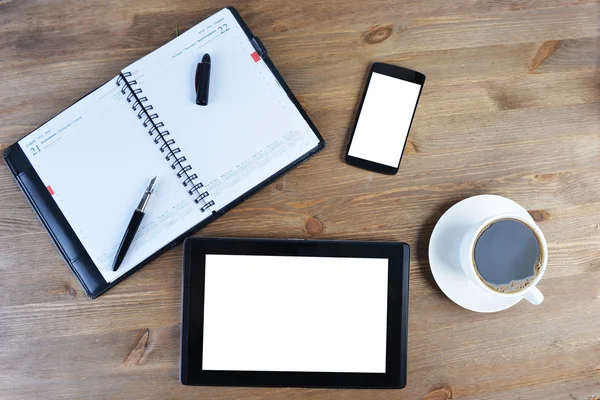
(443, 251)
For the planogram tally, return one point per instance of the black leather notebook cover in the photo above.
(65, 238)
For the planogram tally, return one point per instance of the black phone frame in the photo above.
(395, 72)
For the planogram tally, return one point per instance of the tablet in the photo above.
(308, 313)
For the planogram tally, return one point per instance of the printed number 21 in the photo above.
(223, 28)
(35, 150)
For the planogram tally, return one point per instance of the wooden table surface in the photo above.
(511, 107)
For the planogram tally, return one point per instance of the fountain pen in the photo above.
(134, 224)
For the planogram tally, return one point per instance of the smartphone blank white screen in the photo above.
(384, 120)
(285, 313)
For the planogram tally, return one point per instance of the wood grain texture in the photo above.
(511, 107)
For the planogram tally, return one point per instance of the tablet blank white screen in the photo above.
(283, 313)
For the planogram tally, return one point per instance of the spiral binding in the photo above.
(149, 118)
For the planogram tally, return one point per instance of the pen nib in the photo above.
(150, 188)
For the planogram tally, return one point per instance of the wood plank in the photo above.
(511, 107)
(513, 347)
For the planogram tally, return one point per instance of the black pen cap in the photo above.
(203, 80)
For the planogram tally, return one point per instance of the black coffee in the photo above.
(507, 255)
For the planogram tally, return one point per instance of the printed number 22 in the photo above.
(35, 150)
(223, 28)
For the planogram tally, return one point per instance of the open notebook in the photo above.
(85, 170)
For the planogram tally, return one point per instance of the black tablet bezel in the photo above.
(395, 72)
(195, 250)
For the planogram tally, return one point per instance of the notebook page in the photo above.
(96, 159)
(250, 129)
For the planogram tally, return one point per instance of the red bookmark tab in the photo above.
(50, 190)
(255, 57)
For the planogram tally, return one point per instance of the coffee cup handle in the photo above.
(534, 296)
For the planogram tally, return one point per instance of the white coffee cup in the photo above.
(467, 249)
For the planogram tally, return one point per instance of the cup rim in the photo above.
(536, 230)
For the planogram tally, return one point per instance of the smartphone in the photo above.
(384, 118)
